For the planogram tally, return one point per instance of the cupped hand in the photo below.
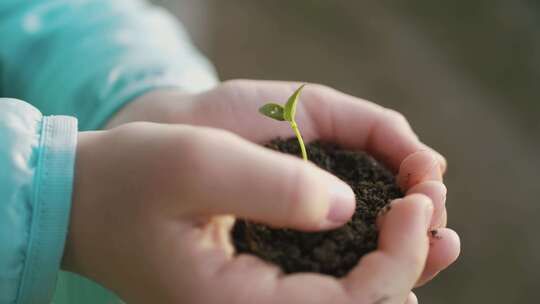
(152, 213)
(326, 114)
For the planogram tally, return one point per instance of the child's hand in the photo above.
(324, 114)
(150, 220)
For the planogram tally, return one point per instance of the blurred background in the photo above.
(466, 75)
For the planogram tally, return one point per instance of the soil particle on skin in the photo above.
(333, 252)
(435, 234)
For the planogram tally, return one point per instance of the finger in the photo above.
(228, 174)
(324, 114)
(401, 254)
(418, 167)
(444, 250)
(436, 261)
(412, 299)
(268, 285)
(436, 191)
(444, 220)
(363, 125)
(441, 159)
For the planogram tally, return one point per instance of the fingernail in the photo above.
(342, 203)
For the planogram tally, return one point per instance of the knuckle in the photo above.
(419, 198)
(181, 155)
(213, 136)
(129, 129)
(322, 89)
(217, 135)
(410, 262)
(193, 152)
(396, 117)
(415, 261)
(201, 139)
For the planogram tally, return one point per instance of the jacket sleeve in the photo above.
(87, 58)
(37, 156)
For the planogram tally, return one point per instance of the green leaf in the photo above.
(290, 106)
(273, 110)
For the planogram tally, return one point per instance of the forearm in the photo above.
(89, 58)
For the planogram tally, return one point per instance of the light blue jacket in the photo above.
(84, 59)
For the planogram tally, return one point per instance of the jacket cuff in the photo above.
(52, 204)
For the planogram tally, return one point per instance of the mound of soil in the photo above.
(333, 252)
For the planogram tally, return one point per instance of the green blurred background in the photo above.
(464, 72)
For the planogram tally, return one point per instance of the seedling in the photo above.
(287, 113)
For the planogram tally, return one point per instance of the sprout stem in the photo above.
(294, 126)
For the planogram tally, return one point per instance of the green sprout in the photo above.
(287, 112)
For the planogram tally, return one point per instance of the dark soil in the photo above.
(333, 252)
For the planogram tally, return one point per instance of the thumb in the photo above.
(258, 184)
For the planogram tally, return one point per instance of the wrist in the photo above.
(76, 250)
(105, 213)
